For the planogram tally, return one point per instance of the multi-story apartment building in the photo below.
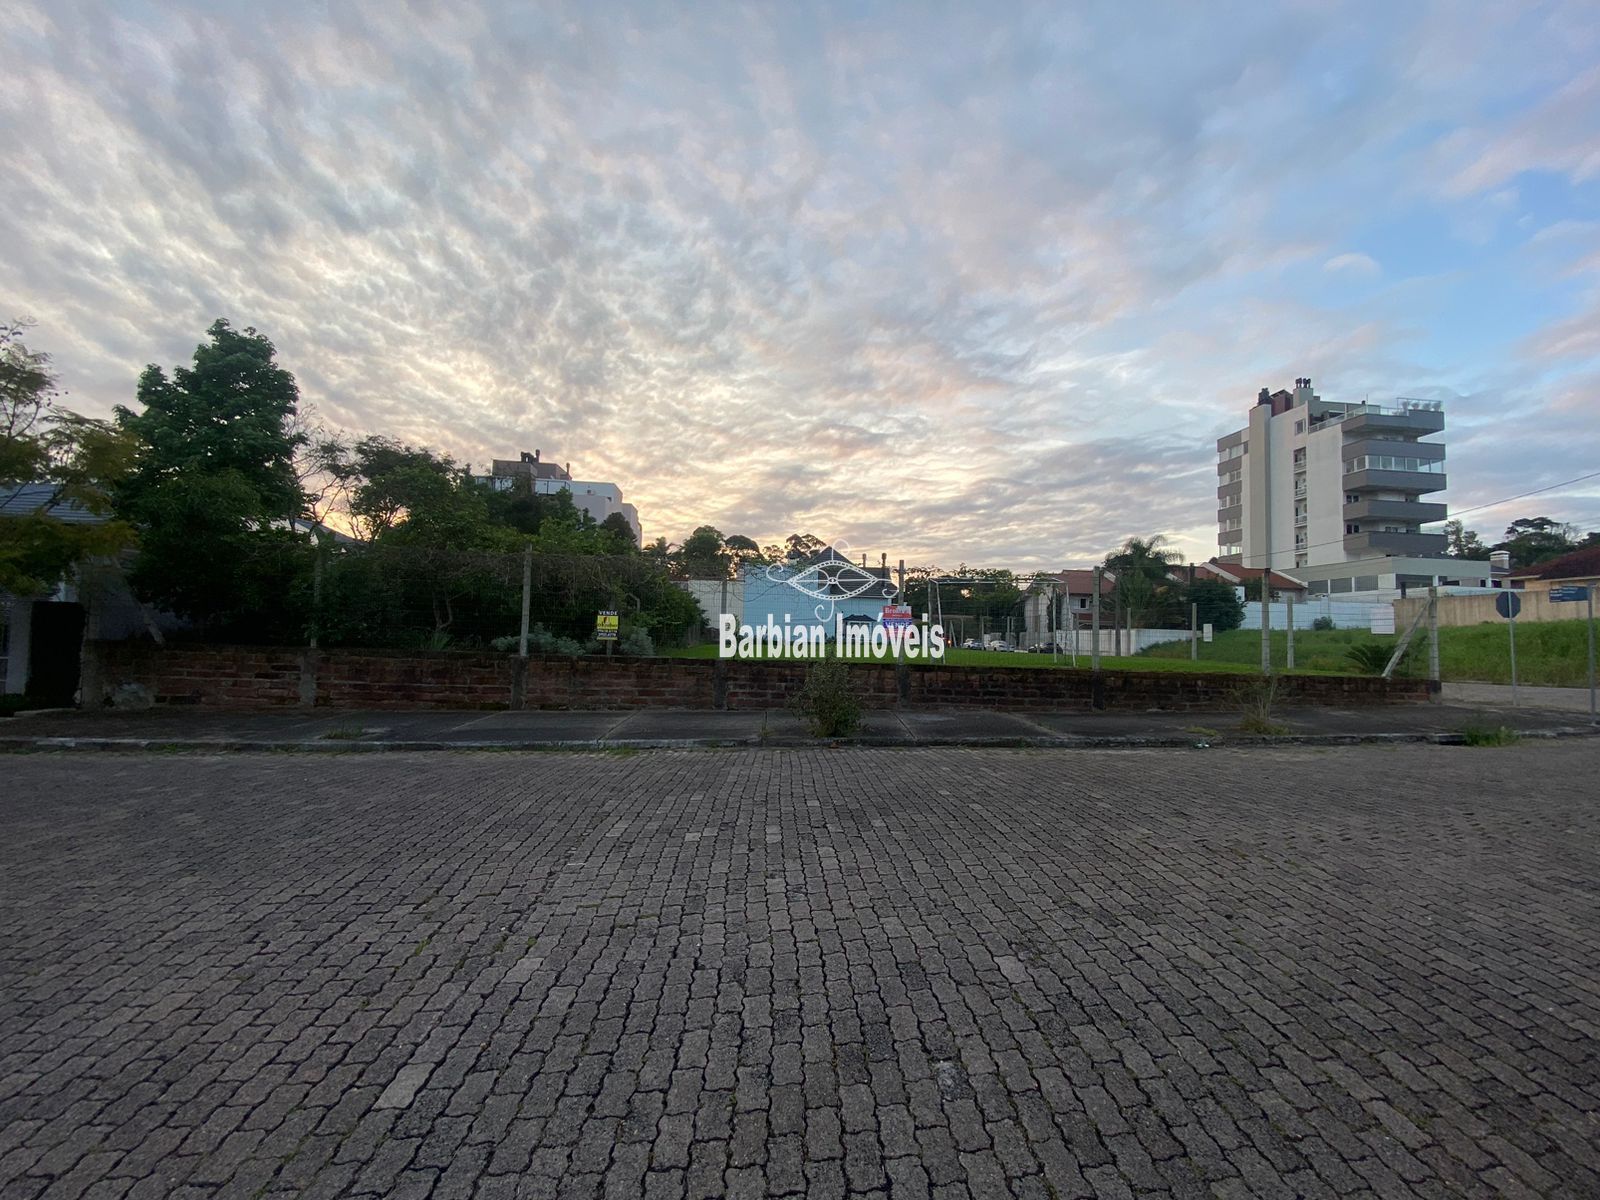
(597, 499)
(1335, 493)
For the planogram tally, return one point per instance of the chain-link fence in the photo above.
(430, 597)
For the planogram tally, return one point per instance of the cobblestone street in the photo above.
(955, 972)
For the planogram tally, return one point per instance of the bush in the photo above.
(1480, 735)
(1322, 623)
(542, 641)
(637, 643)
(1256, 702)
(1371, 657)
(827, 702)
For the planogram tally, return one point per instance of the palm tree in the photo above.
(1141, 567)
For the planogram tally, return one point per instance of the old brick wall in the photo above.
(234, 676)
(266, 677)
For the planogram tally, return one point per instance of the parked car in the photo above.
(972, 644)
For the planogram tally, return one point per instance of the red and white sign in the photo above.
(896, 614)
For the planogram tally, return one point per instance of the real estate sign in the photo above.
(605, 626)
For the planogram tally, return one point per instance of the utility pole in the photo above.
(1194, 633)
(1094, 648)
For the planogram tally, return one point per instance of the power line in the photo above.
(1536, 491)
(1475, 508)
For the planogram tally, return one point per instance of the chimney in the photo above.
(535, 456)
(568, 469)
(1265, 397)
(1500, 560)
(525, 457)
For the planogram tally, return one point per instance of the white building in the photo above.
(597, 499)
(1335, 493)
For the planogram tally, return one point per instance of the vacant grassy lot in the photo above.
(994, 658)
(1549, 653)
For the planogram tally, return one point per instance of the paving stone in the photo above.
(956, 973)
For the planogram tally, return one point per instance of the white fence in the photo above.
(1346, 614)
(1133, 640)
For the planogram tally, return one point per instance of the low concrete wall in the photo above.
(1474, 610)
(273, 677)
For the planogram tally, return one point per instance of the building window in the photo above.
(1387, 462)
(1300, 426)
(1352, 527)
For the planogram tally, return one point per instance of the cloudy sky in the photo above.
(973, 282)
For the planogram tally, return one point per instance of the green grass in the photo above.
(1475, 735)
(1549, 653)
(996, 658)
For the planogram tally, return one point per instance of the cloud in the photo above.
(946, 285)
(1362, 266)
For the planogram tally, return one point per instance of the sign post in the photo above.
(1570, 594)
(1508, 605)
(605, 628)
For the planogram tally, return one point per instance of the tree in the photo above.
(619, 533)
(1141, 567)
(1461, 542)
(51, 461)
(799, 546)
(213, 489)
(704, 555)
(1533, 540)
(1217, 604)
(743, 551)
(388, 485)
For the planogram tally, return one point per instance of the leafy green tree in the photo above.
(799, 546)
(704, 554)
(618, 534)
(1218, 605)
(1142, 588)
(213, 489)
(1461, 542)
(743, 551)
(1533, 540)
(51, 460)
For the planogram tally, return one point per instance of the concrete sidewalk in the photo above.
(1498, 695)
(650, 728)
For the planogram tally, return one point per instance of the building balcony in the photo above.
(1395, 510)
(1369, 544)
(1378, 447)
(1402, 422)
(1415, 482)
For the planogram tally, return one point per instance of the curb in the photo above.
(1063, 742)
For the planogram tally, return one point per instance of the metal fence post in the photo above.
(1266, 624)
(1288, 621)
(1435, 686)
(1094, 648)
(527, 596)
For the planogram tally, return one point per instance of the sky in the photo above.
(950, 282)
